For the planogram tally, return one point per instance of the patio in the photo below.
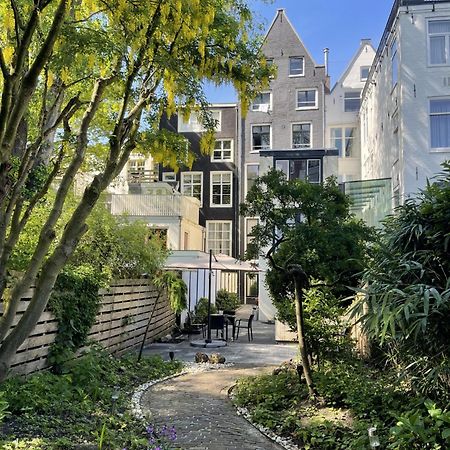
(261, 352)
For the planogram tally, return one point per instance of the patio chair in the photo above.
(247, 324)
(218, 324)
(195, 327)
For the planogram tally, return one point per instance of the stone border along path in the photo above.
(197, 405)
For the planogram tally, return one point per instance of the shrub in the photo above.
(226, 301)
(419, 430)
(201, 310)
(407, 301)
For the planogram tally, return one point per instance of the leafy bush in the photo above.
(201, 310)
(417, 430)
(369, 398)
(118, 247)
(227, 301)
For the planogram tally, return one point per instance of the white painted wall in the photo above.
(348, 168)
(404, 155)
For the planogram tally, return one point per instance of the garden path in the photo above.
(197, 404)
(198, 407)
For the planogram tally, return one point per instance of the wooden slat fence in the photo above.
(123, 315)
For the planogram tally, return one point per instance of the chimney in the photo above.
(326, 52)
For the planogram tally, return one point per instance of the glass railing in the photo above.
(371, 200)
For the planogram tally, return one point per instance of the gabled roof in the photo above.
(281, 12)
(350, 65)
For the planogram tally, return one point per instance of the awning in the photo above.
(190, 260)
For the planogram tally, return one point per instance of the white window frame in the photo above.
(447, 43)
(220, 172)
(169, 177)
(222, 159)
(310, 135)
(261, 106)
(194, 126)
(301, 108)
(246, 176)
(252, 150)
(209, 222)
(303, 67)
(343, 139)
(436, 149)
(183, 175)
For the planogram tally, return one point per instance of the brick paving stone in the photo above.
(198, 406)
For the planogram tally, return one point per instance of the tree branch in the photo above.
(17, 21)
(271, 251)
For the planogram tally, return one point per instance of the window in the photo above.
(223, 150)
(249, 224)
(301, 135)
(260, 137)
(263, 102)
(252, 173)
(440, 123)
(192, 184)
(438, 41)
(219, 237)
(394, 64)
(301, 169)
(221, 188)
(336, 139)
(296, 66)
(136, 165)
(169, 177)
(343, 140)
(352, 101)
(136, 170)
(365, 72)
(194, 123)
(306, 98)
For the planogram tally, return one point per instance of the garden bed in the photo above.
(86, 407)
(352, 398)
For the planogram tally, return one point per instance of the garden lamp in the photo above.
(373, 438)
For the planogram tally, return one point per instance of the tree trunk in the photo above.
(300, 281)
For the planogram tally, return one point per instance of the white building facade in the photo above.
(342, 110)
(405, 109)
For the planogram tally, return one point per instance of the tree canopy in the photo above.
(307, 224)
(83, 84)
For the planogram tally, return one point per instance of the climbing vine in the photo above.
(75, 303)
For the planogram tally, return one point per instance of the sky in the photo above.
(337, 24)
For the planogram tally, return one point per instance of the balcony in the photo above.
(137, 176)
(156, 206)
